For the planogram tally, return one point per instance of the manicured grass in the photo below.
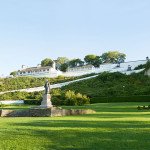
(115, 126)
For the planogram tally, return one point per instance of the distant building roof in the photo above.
(35, 69)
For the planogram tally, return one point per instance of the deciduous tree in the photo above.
(93, 60)
(113, 57)
(47, 62)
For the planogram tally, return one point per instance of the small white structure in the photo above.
(12, 102)
(39, 71)
(147, 72)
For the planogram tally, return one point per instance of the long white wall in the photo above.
(109, 68)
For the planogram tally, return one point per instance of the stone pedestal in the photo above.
(46, 102)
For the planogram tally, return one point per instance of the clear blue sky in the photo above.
(31, 30)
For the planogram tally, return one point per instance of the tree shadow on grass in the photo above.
(68, 134)
(84, 124)
(124, 115)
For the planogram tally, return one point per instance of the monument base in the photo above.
(46, 102)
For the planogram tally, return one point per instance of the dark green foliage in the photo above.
(75, 63)
(93, 60)
(112, 85)
(142, 66)
(97, 61)
(32, 102)
(47, 62)
(112, 99)
(64, 67)
(14, 73)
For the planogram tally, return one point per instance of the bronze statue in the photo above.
(47, 87)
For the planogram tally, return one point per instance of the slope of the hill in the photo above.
(113, 85)
(9, 84)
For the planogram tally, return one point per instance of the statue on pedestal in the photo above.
(46, 102)
(47, 87)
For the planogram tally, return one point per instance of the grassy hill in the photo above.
(113, 85)
(106, 87)
(8, 84)
(28, 82)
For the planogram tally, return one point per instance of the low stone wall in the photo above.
(49, 112)
(14, 113)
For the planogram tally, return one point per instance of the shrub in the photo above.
(70, 98)
(75, 99)
(32, 102)
(142, 66)
(57, 101)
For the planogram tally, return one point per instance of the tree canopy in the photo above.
(76, 62)
(93, 60)
(14, 73)
(113, 57)
(47, 62)
(64, 67)
(61, 60)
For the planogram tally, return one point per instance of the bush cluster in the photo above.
(59, 97)
(142, 66)
(68, 98)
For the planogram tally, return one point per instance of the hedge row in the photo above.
(145, 98)
(32, 102)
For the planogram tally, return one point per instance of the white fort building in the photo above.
(125, 67)
(39, 71)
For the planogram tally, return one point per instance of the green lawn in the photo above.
(115, 126)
